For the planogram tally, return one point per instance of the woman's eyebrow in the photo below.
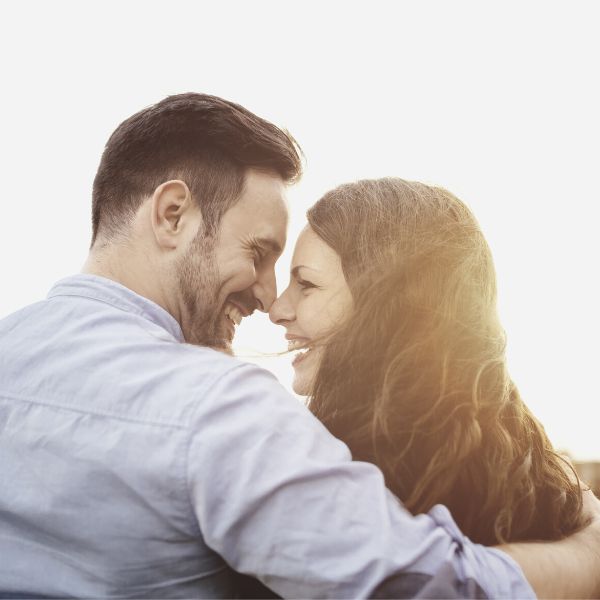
(294, 271)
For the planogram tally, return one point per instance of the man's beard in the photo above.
(199, 283)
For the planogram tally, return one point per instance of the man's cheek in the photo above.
(244, 280)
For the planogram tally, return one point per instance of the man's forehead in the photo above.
(260, 216)
(259, 227)
(262, 191)
(266, 213)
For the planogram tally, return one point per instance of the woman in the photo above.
(392, 301)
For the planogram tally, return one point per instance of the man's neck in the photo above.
(123, 265)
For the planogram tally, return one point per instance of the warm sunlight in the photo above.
(508, 126)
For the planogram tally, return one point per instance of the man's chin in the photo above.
(220, 342)
(224, 347)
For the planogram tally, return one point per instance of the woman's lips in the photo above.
(299, 344)
(300, 357)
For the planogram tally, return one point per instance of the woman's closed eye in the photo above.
(305, 284)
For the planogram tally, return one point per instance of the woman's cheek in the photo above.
(309, 317)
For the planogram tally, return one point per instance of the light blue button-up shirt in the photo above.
(134, 464)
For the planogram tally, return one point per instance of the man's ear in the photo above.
(173, 214)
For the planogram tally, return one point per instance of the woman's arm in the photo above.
(569, 568)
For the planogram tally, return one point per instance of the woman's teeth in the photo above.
(301, 349)
(296, 345)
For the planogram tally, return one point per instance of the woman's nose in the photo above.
(282, 311)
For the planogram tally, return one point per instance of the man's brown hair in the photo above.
(203, 140)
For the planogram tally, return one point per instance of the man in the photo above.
(140, 459)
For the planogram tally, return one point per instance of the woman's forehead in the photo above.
(312, 251)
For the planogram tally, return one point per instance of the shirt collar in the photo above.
(115, 294)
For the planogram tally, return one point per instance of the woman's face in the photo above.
(313, 303)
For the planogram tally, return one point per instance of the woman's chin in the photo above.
(302, 382)
(300, 387)
(305, 371)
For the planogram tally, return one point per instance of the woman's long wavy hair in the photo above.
(416, 381)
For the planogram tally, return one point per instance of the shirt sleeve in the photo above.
(280, 499)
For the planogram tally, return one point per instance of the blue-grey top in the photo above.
(134, 464)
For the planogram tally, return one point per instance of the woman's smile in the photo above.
(300, 345)
(312, 306)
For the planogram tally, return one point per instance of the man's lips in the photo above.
(245, 302)
(233, 313)
(244, 310)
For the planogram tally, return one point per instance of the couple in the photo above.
(138, 461)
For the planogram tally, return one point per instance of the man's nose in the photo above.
(265, 291)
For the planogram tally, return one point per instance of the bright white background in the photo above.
(498, 102)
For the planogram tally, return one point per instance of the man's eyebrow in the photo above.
(294, 271)
(268, 244)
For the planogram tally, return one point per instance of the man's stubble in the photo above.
(199, 284)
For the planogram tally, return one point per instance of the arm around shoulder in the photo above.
(569, 568)
(280, 499)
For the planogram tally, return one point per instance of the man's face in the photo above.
(225, 278)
